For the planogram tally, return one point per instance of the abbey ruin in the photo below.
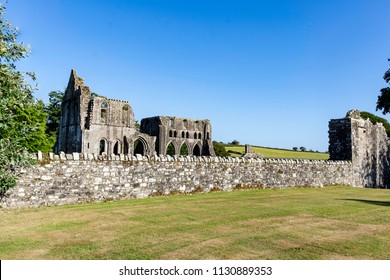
(104, 157)
(99, 125)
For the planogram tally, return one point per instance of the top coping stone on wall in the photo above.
(162, 158)
(111, 99)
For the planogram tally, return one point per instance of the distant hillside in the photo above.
(238, 150)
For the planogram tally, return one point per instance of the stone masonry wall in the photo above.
(82, 178)
(365, 144)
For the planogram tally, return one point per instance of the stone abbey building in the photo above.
(99, 125)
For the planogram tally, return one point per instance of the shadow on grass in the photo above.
(374, 202)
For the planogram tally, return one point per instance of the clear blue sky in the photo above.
(269, 73)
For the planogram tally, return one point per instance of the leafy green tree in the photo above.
(383, 102)
(295, 148)
(170, 150)
(137, 125)
(235, 142)
(22, 119)
(302, 149)
(184, 150)
(31, 117)
(219, 149)
(375, 119)
(53, 111)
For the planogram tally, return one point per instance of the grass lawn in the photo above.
(307, 223)
(278, 153)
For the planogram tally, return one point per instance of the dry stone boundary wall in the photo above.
(81, 178)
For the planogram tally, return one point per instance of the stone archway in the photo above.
(184, 151)
(140, 146)
(170, 150)
(117, 147)
(197, 150)
(125, 146)
(103, 146)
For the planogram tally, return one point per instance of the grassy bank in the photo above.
(277, 153)
(328, 223)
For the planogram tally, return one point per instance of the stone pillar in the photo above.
(248, 149)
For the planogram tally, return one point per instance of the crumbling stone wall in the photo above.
(365, 144)
(81, 178)
(194, 134)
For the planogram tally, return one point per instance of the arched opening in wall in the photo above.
(139, 147)
(125, 115)
(195, 135)
(208, 135)
(117, 148)
(171, 122)
(183, 134)
(171, 149)
(103, 112)
(199, 135)
(102, 146)
(175, 134)
(196, 125)
(125, 146)
(184, 150)
(187, 135)
(170, 133)
(185, 124)
(196, 150)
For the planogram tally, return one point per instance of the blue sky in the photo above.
(269, 73)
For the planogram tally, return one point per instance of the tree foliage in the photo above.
(184, 150)
(22, 119)
(170, 150)
(53, 111)
(383, 102)
(219, 149)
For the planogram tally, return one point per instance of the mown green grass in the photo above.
(306, 223)
(278, 153)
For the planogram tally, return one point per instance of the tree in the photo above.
(302, 149)
(171, 149)
(53, 111)
(219, 149)
(235, 142)
(22, 120)
(137, 125)
(383, 102)
(295, 148)
(184, 150)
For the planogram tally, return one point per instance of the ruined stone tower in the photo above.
(94, 124)
(365, 144)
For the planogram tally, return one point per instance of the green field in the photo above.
(278, 153)
(306, 223)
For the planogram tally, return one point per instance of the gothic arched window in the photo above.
(103, 112)
(125, 115)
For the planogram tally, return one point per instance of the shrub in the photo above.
(219, 149)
